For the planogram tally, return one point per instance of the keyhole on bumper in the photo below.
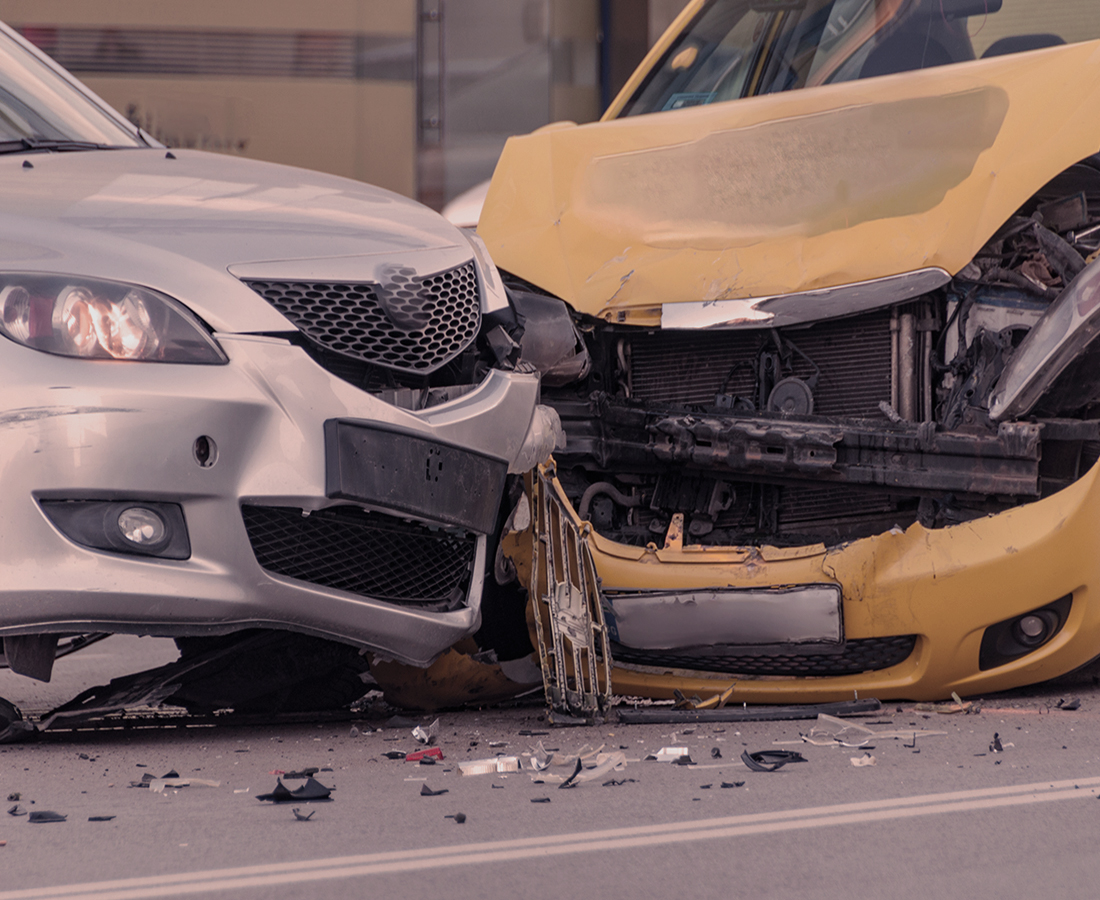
(205, 451)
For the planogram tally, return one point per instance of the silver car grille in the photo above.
(405, 322)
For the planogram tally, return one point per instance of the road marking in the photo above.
(562, 844)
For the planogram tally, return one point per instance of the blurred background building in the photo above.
(418, 96)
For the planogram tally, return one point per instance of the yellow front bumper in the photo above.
(945, 586)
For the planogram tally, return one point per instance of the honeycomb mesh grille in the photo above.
(860, 655)
(406, 322)
(368, 554)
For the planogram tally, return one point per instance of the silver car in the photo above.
(238, 395)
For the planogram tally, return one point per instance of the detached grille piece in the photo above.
(370, 554)
(407, 322)
(859, 655)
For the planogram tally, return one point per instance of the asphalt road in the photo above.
(943, 817)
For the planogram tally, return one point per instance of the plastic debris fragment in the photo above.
(494, 766)
(17, 810)
(732, 784)
(420, 756)
(1070, 705)
(540, 799)
(301, 818)
(310, 791)
(605, 763)
(669, 754)
(770, 760)
(100, 818)
(426, 791)
(46, 815)
(426, 735)
(715, 753)
(861, 761)
(458, 817)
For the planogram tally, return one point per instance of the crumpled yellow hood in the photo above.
(794, 192)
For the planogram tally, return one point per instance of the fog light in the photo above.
(141, 526)
(1009, 640)
(136, 526)
(1032, 627)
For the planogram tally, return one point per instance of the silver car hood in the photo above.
(190, 224)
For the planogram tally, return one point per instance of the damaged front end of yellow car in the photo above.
(832, 393)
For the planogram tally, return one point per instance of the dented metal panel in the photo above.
(792, 192)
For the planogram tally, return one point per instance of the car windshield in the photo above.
(740, 48)
(41, 109)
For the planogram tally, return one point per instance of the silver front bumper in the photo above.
(74, 429)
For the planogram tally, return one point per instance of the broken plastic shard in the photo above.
(100, 818)
(995, 745)
(605, 763)
(310, 791)
(1070, 705)
(669, 754)
(732, 784)
(493, 766)
(866, 760)
(300, 818)
(426, 735)
(394, 754)
(831, 731)
(715, 753)
(426, 791)
(17, 810)
(433, 753)
(458, 817)
(157, 785)
(770, 760)
(46, 815)
(540, 799)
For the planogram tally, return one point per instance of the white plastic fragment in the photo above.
(669, 754)
(496, 765)
(426, 735)
(605, 764)
(860, 761)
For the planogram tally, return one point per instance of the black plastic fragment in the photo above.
(684, 761)
(618, 782)
(17, 810)
(458, 817)
(571, 780)
(715, 753)
(497, 787)
(525, 732)
(1073, 704)
(747, 713)
(310, 791)
(770, 760)
(995, 745)
(732, 784)
(705, 787)
(46, 815)
(540, 799)
(100, 818)
(303, 773)
(394, 754)
(426, 791)
(300, 818)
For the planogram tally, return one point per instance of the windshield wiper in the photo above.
(24, 145)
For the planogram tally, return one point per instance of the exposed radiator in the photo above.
(693, 367)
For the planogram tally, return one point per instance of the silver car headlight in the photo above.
(97, 319)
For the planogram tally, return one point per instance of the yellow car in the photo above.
(830, 386)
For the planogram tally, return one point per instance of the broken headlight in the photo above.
(95, 319)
